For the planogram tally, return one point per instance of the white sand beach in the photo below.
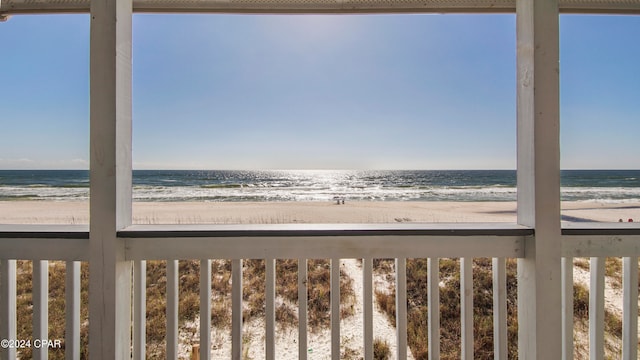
(77, 212)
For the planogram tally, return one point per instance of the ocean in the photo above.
(614, 186)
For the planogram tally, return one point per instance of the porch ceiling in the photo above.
(8, 7)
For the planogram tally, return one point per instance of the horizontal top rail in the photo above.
(315, 230)
(44, 231)
(598, 228)
(8, 7)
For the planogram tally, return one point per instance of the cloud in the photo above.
(80, 162)
(17, 161)
(31, 164)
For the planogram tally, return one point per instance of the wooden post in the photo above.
(110, 179)
(539, 272)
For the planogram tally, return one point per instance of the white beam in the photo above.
(110, 179)
(600, 245)
(321, 6)
(323, 247)
(539, 275)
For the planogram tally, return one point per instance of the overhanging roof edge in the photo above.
(8, 7)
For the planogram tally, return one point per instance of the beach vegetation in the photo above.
(381, 349)
(318, 303)
(450, 326)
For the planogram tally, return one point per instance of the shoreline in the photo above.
(77, 212)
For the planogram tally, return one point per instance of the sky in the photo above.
(319, 92)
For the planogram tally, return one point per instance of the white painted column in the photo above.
(110, 178)
(539, 274)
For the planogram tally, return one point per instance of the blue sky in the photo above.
(309, 92)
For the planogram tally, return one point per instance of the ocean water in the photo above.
(616, 186)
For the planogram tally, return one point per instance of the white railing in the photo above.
(597, 243)
(324, 242)
(335, 243)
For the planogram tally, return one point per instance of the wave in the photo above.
(604, 186)
(221, 186)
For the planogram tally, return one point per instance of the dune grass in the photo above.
(189, 282)
(319, 303)
(450, 341)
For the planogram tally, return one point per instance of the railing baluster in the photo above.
(8, 306)
(139, 309)
(72, 311)
(367, 296)
(270, 308)
(205, 309)
(172, 309)
(335, 309)
(630, 308)
(499, 309)
(40, 306)
(236, 309)
(596, 309)
(567, 308)
(401, 308)
(433, 299)
(466, 307)
(302, 309)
